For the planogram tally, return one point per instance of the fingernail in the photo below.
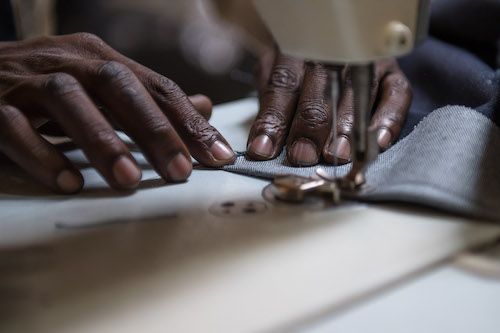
(342, 148)
(221, 151)
(304, 152)
(179, 168)
(384, 138)
(69, 182)
(262, 145)
(126, 173)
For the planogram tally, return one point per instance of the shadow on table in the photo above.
(16, 182)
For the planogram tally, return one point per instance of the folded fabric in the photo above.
(450, 161)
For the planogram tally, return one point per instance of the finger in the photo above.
(392, 110)
(202, 104)
(204, 142)
(64, 100)
(313, 118)
(338, 150)
(22, 144)
(129, 103)
(262, 71)
(277, 107)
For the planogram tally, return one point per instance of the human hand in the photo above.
(295, 105)
(83, 85)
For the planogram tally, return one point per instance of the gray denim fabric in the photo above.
(450, 161)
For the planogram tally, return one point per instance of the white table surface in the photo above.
(178, 258)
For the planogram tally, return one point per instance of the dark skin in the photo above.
(295, 102)
(69, 81)
(78, 86)
(296, 109)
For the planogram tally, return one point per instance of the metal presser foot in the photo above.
(319, 187)
(294, 188)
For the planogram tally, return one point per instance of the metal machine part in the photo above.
(295, 188)
(345, 31)
(364, 143)
(298, 189)
(365, 148)
(355, 32)
(336, 88)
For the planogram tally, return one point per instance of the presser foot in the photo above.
(319, 187)
(322, 186)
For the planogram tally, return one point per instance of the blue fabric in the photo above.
(457, 65)
(449, 162)
(7, 27)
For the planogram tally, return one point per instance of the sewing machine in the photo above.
(338, 32)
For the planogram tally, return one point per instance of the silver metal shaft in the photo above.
(362, 78)
(334, 94)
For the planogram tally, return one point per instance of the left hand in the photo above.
(295, 105)
(88, 90)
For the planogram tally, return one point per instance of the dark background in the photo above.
(153, 40)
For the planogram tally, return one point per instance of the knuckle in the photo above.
(88, 44)
(100, 137)
(392, 118)
(11, 66)
(319, 71)
(284, 77)
(399, 84)
(170, 96)
(9, 118)
(157, 129)
(13, 127)
(314, 114)
(164, 87)
(115, 72)
(271, 121)
(60, 84)
(44, 60)
(88, 38)
(200, 130)
(345, 122)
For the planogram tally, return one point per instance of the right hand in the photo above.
(296, 110)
